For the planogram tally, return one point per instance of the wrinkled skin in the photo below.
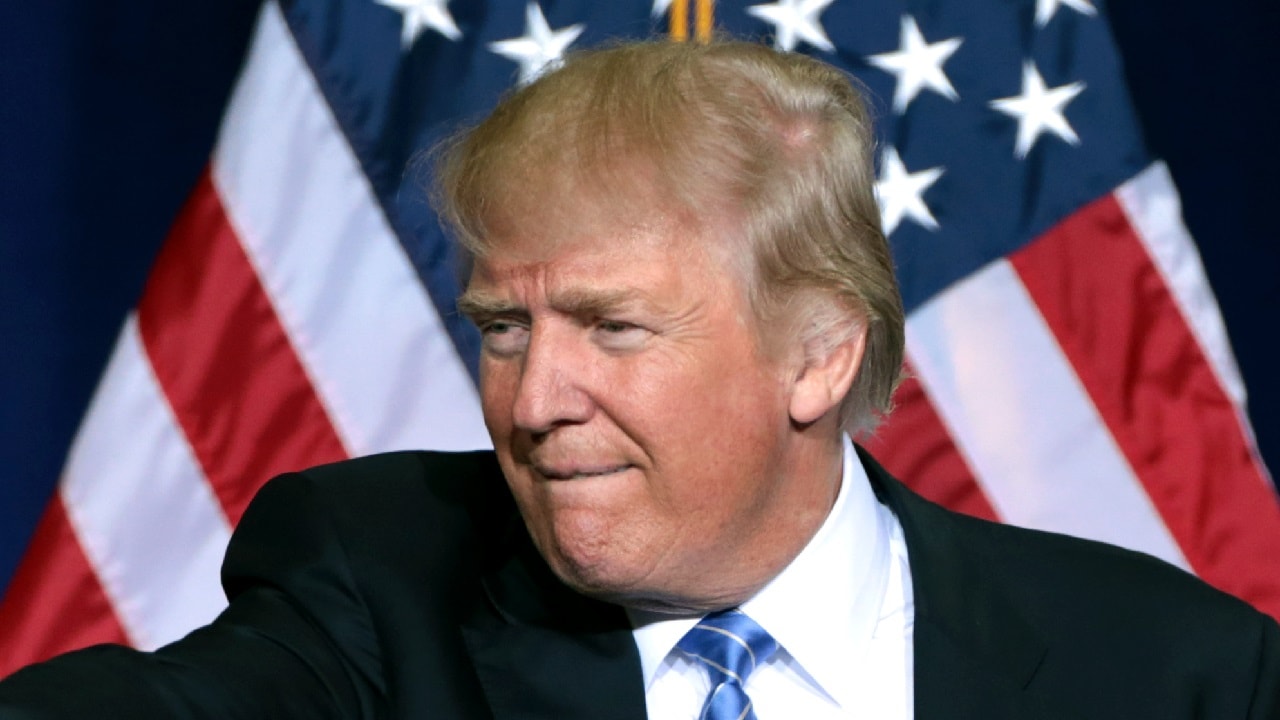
(658, 457)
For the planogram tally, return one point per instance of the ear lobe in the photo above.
(825, 378)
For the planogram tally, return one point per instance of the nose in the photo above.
(551, 390)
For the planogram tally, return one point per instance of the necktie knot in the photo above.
(730, 646)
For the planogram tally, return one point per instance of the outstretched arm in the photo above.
(295, 641)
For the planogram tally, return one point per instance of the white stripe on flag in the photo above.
(1155, 213)
(341, 284)
(1021, 418)
(130, 476)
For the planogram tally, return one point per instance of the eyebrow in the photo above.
(576, 302)
(477, 305)
(593, 302)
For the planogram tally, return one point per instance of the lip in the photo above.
(579, 472)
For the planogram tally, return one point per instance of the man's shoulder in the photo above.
(429, 476)
(409, 466)
(1064, 585)
(1089, 628)
(1071, 576)
(392, 497)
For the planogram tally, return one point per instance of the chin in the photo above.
(634, 591)
(593, 572)
(588, 541)
(614, 576)
(598, 569)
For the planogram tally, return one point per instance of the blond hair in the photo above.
(779, 142)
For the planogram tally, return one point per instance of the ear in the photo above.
(825, 378)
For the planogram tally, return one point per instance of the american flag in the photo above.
(1070, 368)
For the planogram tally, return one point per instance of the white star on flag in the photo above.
(660, 7)
(540, 48)
(917, 65)
(795, 20)
(418, 15)
(1045, 9)
(900, 193)
(1038, 109)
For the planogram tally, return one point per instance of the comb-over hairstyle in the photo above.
(778, 144)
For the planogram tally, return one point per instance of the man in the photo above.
(686, 304)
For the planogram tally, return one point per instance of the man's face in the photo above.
(644, 435)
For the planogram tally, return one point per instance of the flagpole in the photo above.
(678, 20)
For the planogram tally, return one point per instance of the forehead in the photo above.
(570, 193)
(600, 267)
(594, 254)
(568, 210)
(607, 227)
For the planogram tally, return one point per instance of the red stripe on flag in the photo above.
(1122, 330)
(54, 603)
(224, 362)
(914, 445)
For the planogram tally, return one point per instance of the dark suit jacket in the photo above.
(405, 586)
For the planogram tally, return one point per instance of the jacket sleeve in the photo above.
(294, 642)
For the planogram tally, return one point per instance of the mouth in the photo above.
(579, 472)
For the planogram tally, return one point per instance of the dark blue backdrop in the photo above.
(108, 110)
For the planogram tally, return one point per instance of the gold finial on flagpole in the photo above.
(678, 20)
(704, 20)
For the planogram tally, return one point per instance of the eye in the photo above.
(614, 326)
(619, 335)
(504, 338)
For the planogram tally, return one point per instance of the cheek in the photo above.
(682, 422)
(497, 391)
(697, 403)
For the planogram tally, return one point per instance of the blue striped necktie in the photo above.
(730, 646)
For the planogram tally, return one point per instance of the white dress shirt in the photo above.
(842, 612)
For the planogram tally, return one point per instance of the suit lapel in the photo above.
(975, 652)
(542, 650)
(956, 681)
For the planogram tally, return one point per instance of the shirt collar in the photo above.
(831, 590)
